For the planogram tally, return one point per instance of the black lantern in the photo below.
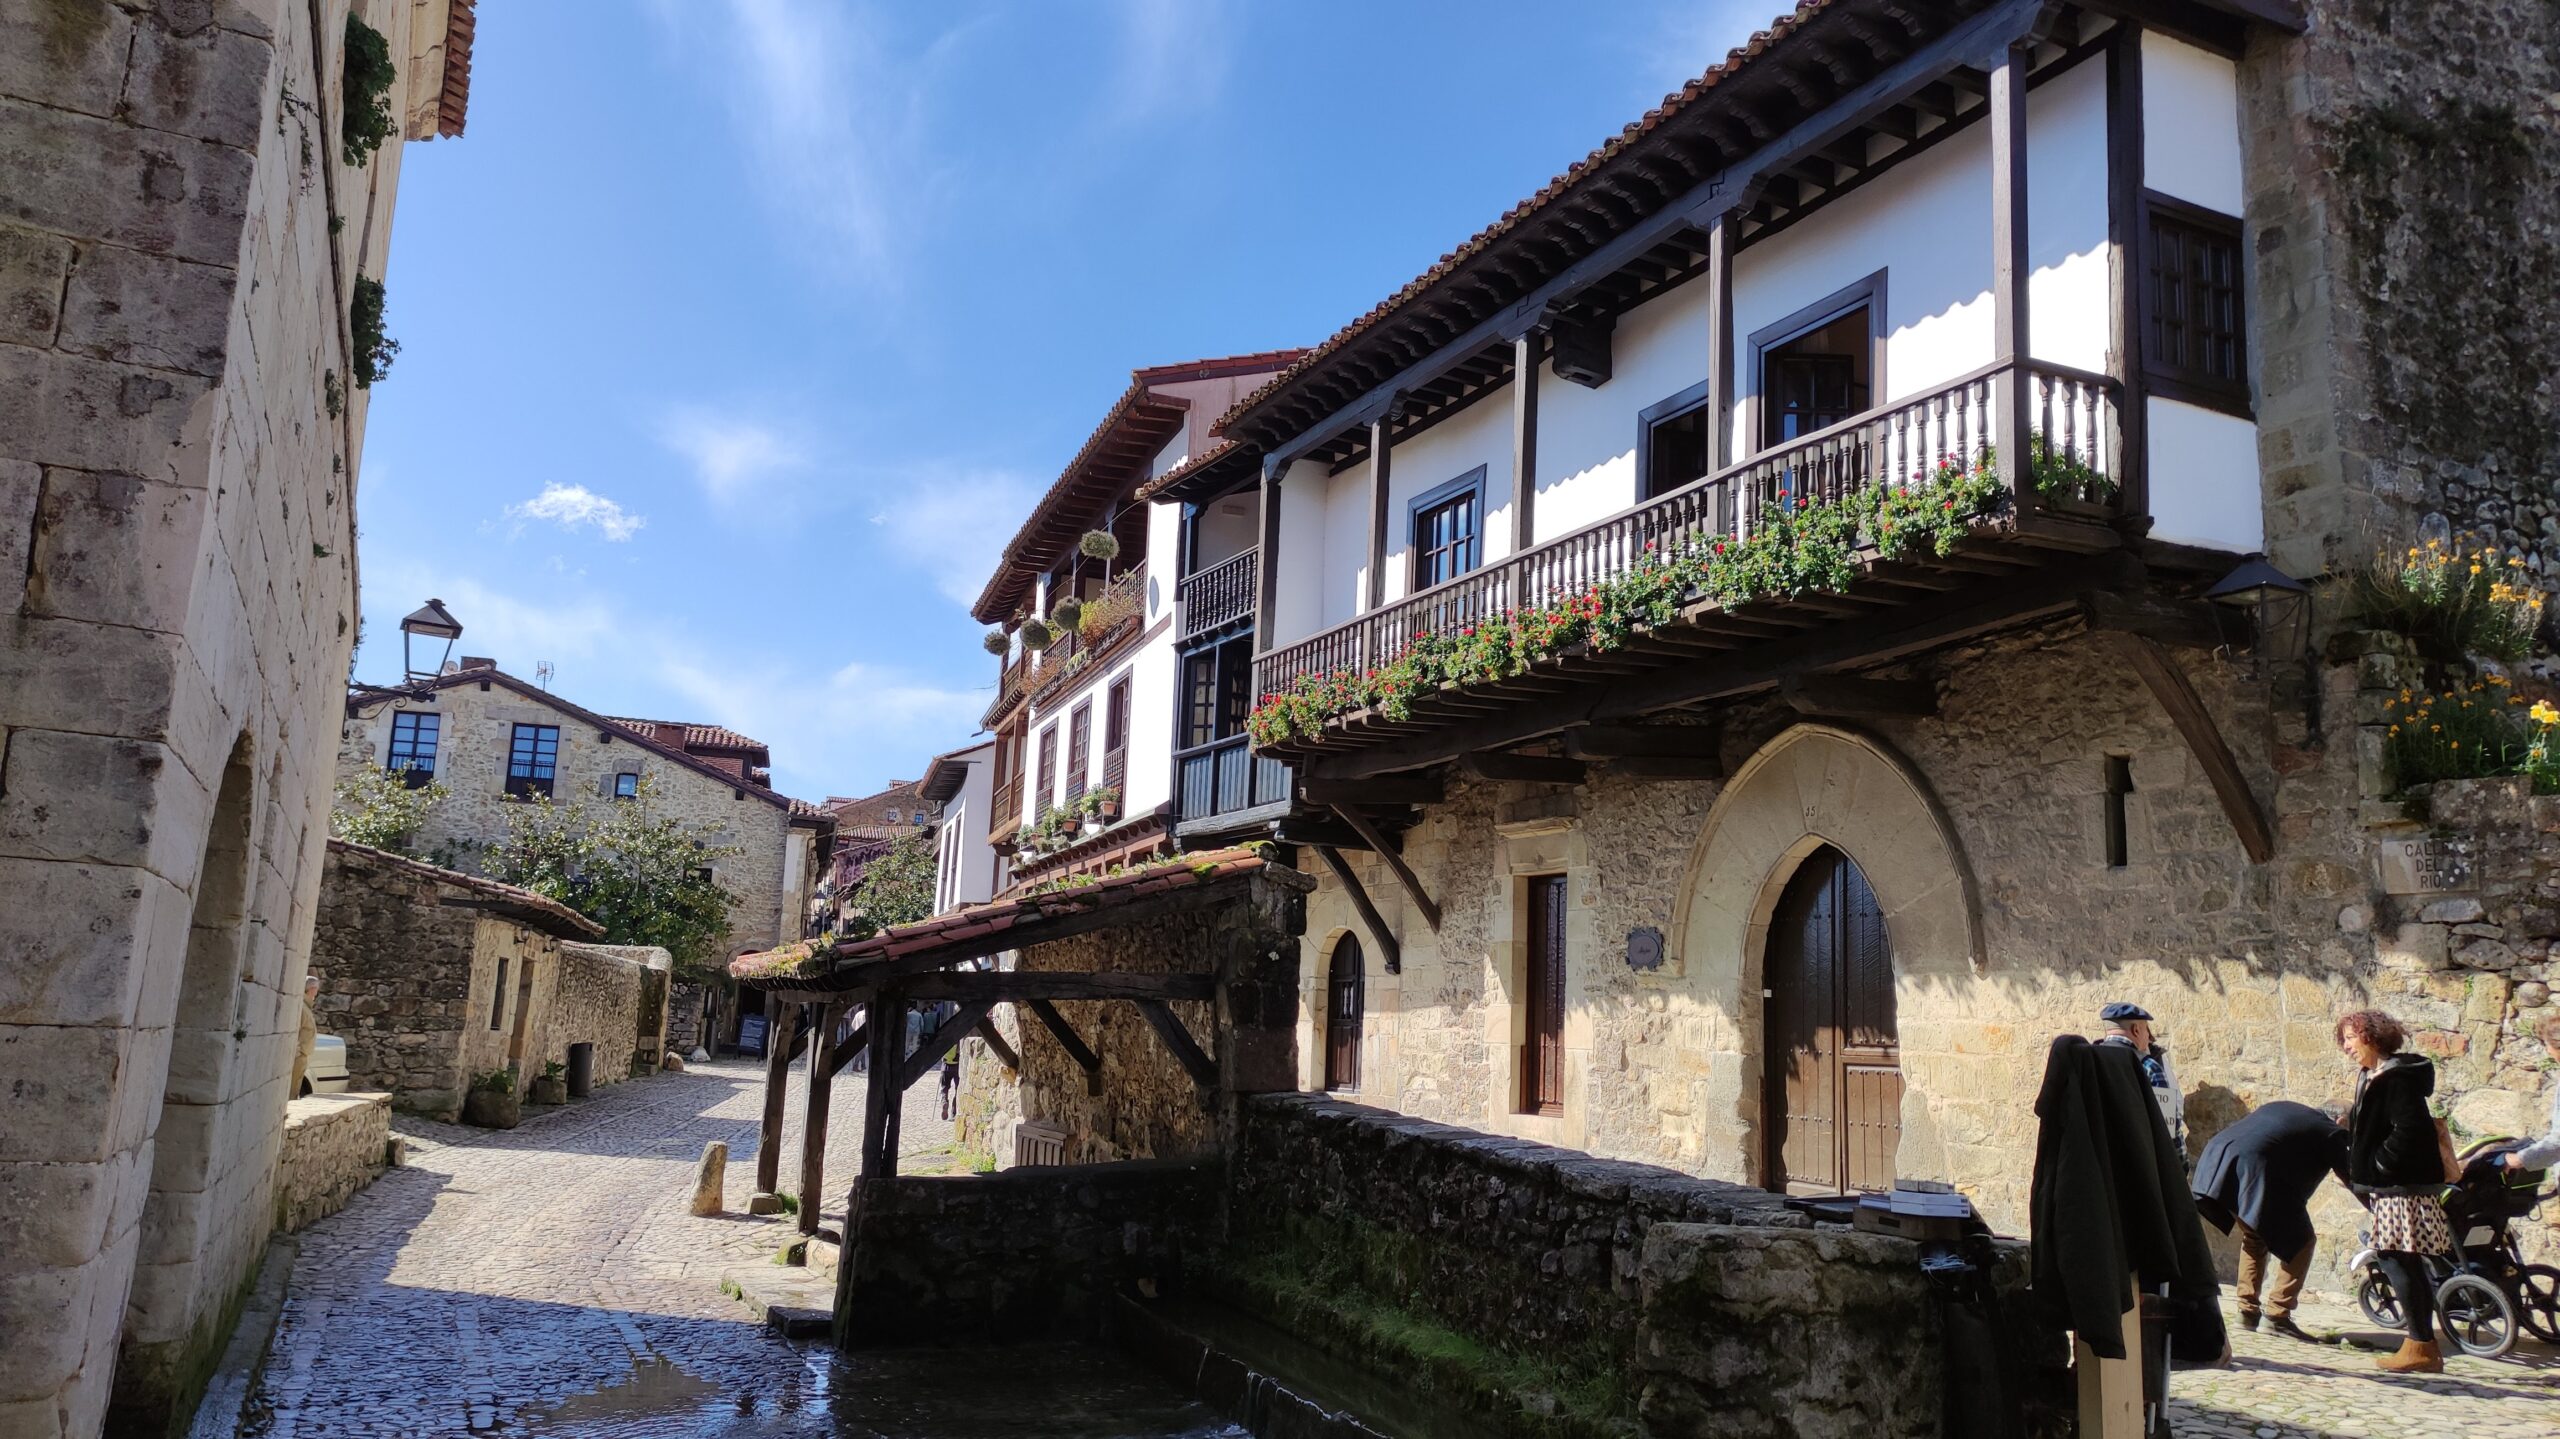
(2278, 607)
(431, 621)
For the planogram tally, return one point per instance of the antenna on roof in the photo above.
(542, 673)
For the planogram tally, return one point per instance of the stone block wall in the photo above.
(1147, 1107)
(1016, 1255)
(599, 1000)
(179, 441)
(334, 1145)
(649, 1008)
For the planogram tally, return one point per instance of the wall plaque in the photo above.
(2423, 866)
(1644, 948)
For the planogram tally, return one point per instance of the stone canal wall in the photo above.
(334, 1145)
(1018, 1254)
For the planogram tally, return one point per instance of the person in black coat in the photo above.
(2258, 1175)
(2396, 1165)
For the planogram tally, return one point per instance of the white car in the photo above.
(327, 1072)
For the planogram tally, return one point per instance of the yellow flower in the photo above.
(2543, 713)
(2515, 562)
(2435, 729)
(2431, 544)
(2395, 729)
(2457, 744)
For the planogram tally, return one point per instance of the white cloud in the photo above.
(570, 506)
(514, 631)
(848, 732)
(952, 522)
(729, 454)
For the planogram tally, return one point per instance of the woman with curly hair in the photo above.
(2395, 1165)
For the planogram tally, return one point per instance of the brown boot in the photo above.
(2412, 1358)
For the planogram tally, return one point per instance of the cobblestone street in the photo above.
(548, 1281)
(2281, 1388)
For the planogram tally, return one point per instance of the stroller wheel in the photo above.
(2375, 1297)
(2477, 1315)
(2538, 1301)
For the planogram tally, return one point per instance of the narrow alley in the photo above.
(548, 1281)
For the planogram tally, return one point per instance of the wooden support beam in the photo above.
(1266, 578)
(777, 1083)
(996, 1041)
(880, 1095)
(2177, 696)
(1527, 360)
(1645, 741)
(813, 1123)
(932, 1047)
(1719, 343)
(1853, 697)
(999, 985)
(841, 1053)
(1071, 1042)
(1387, 789)
(1186, 1050)
(2186, 624)
(2130, 443)
(1404, 874)
(2010, 267)
(1381, 449)
(1528, 768)
(1390, 953)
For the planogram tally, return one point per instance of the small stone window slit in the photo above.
(2119, 786)
(498, 996)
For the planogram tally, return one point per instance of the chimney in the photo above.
(478, 662)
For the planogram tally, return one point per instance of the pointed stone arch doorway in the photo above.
(1831, 1097)
(1812, 791)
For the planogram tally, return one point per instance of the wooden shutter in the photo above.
(1542, 1053)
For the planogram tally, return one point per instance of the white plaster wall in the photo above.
(1344, 581)
(967, 871)
(2190, 124)
(1298, 603)
(2204, 478)
(1477, 435)
(1587, 437)
(1227, 527)
(1164, 559)
(1175, 451)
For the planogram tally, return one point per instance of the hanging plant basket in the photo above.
(1067, 614)
(997, 644)
(1099, 545)
(1036, 635)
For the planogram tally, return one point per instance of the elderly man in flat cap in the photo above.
(2130, 1026)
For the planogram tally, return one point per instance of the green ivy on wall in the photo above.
(368, 120)
(364, 320)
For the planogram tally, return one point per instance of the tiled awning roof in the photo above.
(1208, 877)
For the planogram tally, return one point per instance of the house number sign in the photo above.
(1644, 948)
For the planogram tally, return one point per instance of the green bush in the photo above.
(369, 121)
(374, 349)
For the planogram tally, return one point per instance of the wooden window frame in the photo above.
(1117, 698)
(619, 792)
(413, 774)
(1530, 1100)
(1687, 402)
(1469, 486)
(528, 783)
(1044, 746)
(1869, 292)
(2183, 382)
(1079, 748)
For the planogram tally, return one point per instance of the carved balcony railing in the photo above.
(1006, 812)
(1226, 776)
(1110, 619)
(2072, 410)
(1220, 594)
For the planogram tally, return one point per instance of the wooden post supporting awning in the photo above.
(888, 974)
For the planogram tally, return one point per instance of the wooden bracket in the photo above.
(2170, 686)
(1852, 697)
(995, 1041)
(1361, 826)
(1069, 1041)
(2187, 624)
(1384, 789)
(1186, 1050)
(841, 1054)
(1529, 768)
(1390, 953)
(931, 1048)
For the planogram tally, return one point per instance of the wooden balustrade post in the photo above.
(2009, 272)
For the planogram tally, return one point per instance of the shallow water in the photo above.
(1045, 1391)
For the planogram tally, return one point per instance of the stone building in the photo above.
(434, 977)
(1786, 876)
(489, 737)
(188, 255)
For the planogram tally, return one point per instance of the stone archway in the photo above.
(1812, 786)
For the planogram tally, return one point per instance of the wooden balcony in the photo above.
(1226, 777)
(1004, 816)
(1219, 595)
(2072, 411)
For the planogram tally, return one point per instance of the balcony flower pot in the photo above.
(492, 1109)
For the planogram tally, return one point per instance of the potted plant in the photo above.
(1066, 614)
(997, 643)
(1100, 545)
(552, 1087)
(492, 1102)
(1036, 634)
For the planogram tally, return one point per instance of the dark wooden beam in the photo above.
(888, 1024)
(994, 985)
(1647, 741)
(2177, 696)
(1527, 360)
(1390, 953)
(2130, 413)
(813, 1122)
(2010, 267)
(1303, 829)
(1396, 789)
(1267, 563)
(841, 1054)
(1404, 874)
(1719, 344)
(777, 1083)
(1669, 767)
(1853, 697)
(932, 1047)
(996, 1041)
(1185, 1050)
(1527, 768)
(2186, 624)
(1381, 453)
(1069, 1041)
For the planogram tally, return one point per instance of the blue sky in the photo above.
(738, 335)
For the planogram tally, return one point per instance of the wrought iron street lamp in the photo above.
(2278, 607)
(431, 621)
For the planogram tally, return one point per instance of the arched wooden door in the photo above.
(1342, 1015)
(1831, 1101)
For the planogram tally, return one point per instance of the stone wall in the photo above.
(769, 880)
(179, 445)
(649, 1006)
(600, 999)
(334, 1145)
(1983, 831)
(1016, 1255)
(2398, 163)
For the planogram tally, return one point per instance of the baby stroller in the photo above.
(2485, 1291)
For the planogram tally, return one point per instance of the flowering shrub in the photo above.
(2471, 732)
(1123, 601)
(1794, 549)
(2452, 602)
